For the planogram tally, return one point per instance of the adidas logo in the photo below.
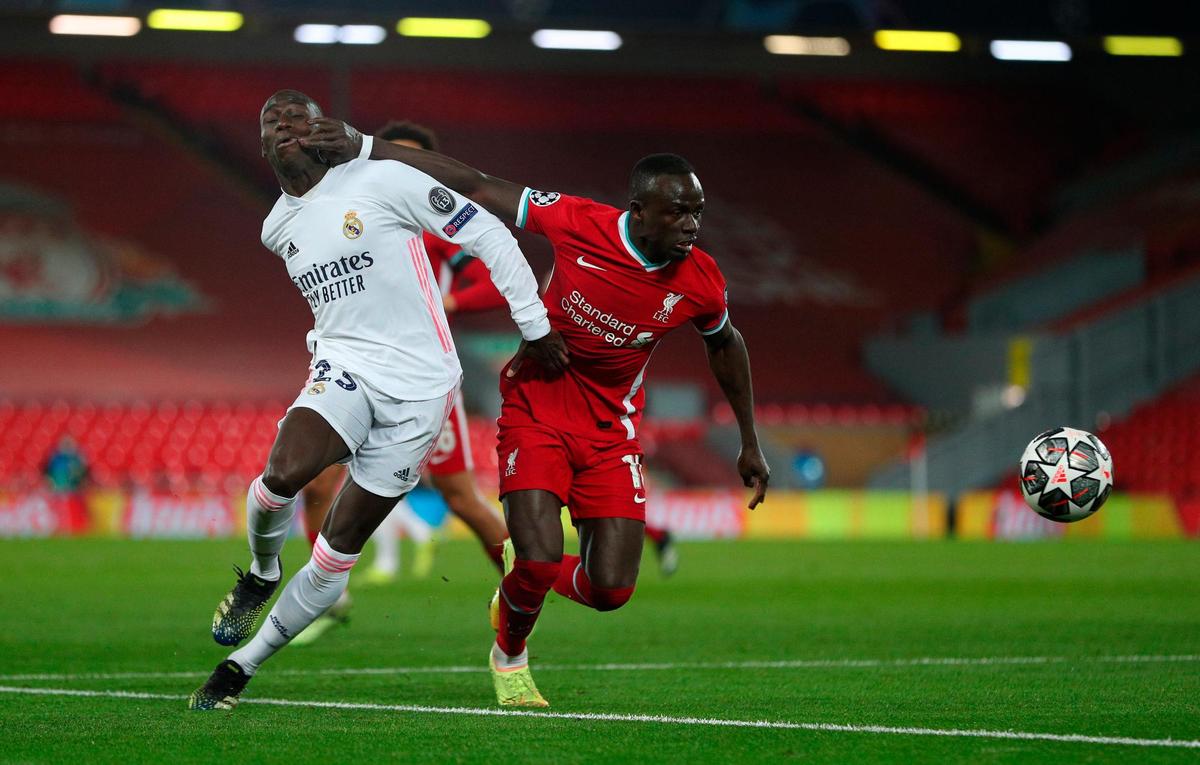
(292, 249)
(402, 474)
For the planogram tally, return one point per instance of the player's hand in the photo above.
(337, 142)
(549, 351)
(449, 303)
(752, 466)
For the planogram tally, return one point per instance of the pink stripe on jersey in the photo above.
(420, 261)
(260, 496)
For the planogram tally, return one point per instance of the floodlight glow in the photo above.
(316, 34)
(1124, 45)
(194, 21)
(1030, 50)
(100, 26)
(416, 26)
(912, 40)
(577, 39)
(795, 45)
(361, 34)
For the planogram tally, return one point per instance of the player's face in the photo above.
(282, 123)
(670, 216)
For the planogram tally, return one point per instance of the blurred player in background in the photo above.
(466, 286)
(621, 281)
(384, 374)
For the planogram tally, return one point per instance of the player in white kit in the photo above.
(384, 373)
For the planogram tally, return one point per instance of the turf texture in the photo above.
(1097, 640)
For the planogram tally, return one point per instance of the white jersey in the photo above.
(352, 246)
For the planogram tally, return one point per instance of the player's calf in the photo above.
(574, 583)
(522, 593)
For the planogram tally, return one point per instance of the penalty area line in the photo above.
(928, 661)
(1069, 738)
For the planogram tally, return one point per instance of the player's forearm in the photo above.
(730, 365)
(496, 248)
(464, 179)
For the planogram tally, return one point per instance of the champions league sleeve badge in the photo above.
(543, 198)
(353, 226)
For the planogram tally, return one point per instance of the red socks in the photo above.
(572, 582)
(521, 595)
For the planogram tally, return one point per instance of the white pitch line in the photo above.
(929, 661)
(1072, 738)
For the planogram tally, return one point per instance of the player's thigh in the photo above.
(355, 515)
(611, 549)
(327, 422)
(533, 517)
(535, 478)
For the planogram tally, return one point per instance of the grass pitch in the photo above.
(900, 643)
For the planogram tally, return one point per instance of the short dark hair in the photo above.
(292, 97)
(403, 130)
(649, 168)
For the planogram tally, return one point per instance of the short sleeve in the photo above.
(550, 213)
(715, 313)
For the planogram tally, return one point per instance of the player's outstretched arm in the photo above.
(339, 142)
(730, 364)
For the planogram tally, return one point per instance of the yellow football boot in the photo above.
(515, 687)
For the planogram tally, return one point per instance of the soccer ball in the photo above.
(1066, 474)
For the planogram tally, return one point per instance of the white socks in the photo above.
(307, 595)
(504, 661)
(268, 518)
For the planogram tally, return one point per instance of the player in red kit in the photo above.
(621, 281)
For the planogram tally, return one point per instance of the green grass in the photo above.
(99, 606)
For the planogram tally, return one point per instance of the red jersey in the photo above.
(460, 275)
(612, 306)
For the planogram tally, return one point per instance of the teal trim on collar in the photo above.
(631, 248)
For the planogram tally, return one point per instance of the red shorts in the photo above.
(594, 479)
(452, 452)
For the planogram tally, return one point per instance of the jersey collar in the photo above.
(309, 195)
(631, 248)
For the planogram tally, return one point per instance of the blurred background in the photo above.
(946, 228)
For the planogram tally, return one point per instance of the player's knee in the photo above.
(285, 477)
(610, 598)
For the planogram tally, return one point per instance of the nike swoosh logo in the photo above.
(639, 500)
(585, 264)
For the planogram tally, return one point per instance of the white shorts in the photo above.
(389, 440)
